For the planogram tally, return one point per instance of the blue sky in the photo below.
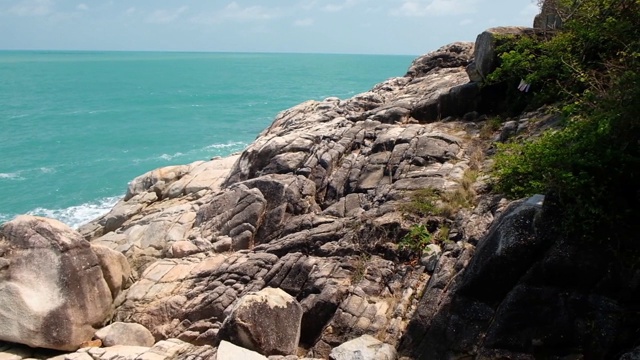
(409, 27)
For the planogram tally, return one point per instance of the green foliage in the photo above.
(540, 62)
(416, 240)
(592, 165)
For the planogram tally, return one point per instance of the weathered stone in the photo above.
(451, 56)
(181, 249)
(120, 333)
(229, 351)
(267, 322)
(504, 247)
(430, 257)
(52, 290)
(115, 268)
(365, 347)
(509, 129)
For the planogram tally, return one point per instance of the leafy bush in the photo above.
(416, 240)
(540, 62)
(592, 165)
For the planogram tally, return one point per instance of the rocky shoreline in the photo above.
(292, 248)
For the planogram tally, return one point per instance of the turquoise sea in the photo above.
(76, 127)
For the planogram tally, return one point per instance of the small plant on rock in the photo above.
(417, 239)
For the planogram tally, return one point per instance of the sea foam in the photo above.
(77, 215)
(5, 217)
(235, 144)
(11, 176)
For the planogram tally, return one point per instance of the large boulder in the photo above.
(267, 321)
(120, 333)
(52, 289)
(530, 291)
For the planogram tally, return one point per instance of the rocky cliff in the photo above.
(327, 205)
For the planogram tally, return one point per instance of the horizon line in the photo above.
(205, 52)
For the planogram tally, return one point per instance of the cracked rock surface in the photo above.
(312, 207)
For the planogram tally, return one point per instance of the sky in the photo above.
(407, 27)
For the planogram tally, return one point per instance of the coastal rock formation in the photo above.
(316, 218)
(53, 292)
(313, 207)
(159, 210)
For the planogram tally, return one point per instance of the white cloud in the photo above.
(420, 8)
(32, 8)
(341, 6)
(237, 12)
(234, 12)
(308, 5)
(82, 7)
(130, 11)
(164, 16)
(304, 22)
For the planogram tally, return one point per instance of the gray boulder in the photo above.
(120, 333)
(267, 321)
(53, 293)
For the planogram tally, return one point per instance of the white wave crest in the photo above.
(5, 217)
(226, 145)
(77, 215)
(11, 176)
(171, 157)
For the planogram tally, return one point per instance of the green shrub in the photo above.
(592, 165)
(416, 240)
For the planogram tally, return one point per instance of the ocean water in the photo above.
(76, 127)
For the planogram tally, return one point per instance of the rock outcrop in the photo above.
(53, 292)
(312, 207)
(528, 292)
